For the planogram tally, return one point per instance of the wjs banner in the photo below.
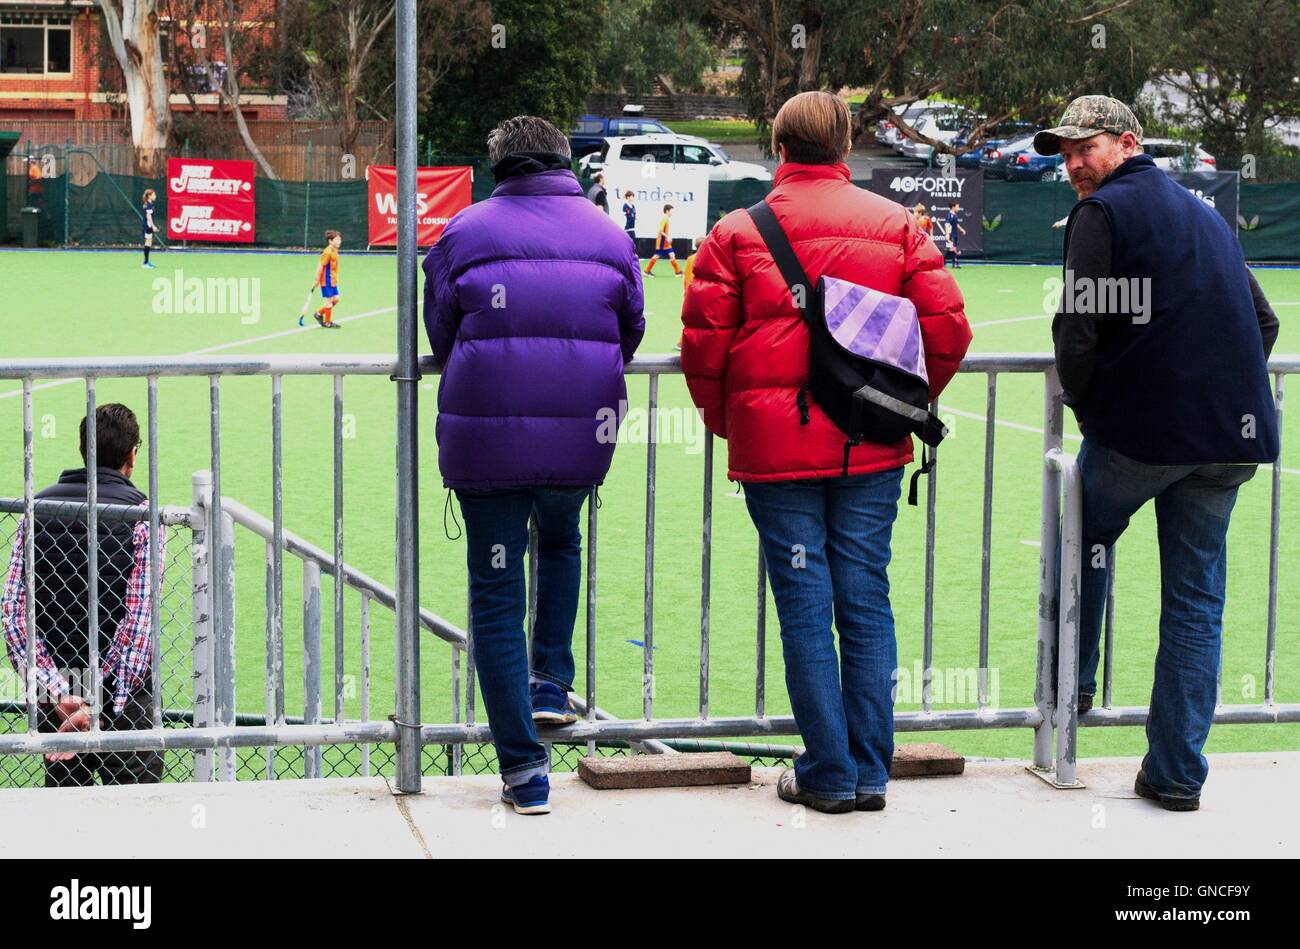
(210, 199)
(440, 193)
(931, 187)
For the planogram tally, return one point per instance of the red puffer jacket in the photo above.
(745, 346)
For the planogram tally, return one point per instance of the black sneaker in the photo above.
(787, 790)
(331, 325)
(1164, 800)
(319, 319)
(869, 802)
(1085, 702)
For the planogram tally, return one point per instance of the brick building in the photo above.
(56, 65)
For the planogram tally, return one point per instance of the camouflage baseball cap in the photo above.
(1085, 117)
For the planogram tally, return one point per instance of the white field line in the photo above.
(1014, 319)
(234, 344)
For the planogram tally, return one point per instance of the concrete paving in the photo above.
(995, 809)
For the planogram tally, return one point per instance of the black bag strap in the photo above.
(778, 245)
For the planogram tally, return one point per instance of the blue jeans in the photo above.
(826, 543)
(496, 533)
(1193, 507)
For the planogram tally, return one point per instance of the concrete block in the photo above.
(664, 771)
(924, 760)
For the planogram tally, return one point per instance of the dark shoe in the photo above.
(788, 791)
(869, 802)
(319, 319)
(551, 704)
(1164, 800)
(531, 798)
(332, 325)
(1085, 702)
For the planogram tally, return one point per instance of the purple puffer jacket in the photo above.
(533, 304)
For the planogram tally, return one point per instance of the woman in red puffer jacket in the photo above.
(825, 536)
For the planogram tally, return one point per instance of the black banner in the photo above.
(910, 186)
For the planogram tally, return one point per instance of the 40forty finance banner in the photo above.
(211, 199)
(931, 187)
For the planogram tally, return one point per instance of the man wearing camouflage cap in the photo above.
(1162, 338)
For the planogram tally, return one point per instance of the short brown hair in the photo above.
(330, 235)
(814, 127)
(116, 433)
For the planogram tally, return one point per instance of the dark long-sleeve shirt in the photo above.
(1074, 335)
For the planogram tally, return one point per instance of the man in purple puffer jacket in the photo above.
(533, 305)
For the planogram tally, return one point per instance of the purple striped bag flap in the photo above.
(874, 325)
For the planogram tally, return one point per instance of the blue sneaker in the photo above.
(530, 798)
(148, 266)
(551, 704)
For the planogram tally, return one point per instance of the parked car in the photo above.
(1173, 155)
(674, 149)
(1000, 134)
(592, 130)
(994, 161)
(942, 126)
(887, 133)
(1028, 165)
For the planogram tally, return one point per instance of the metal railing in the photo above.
(216, 726)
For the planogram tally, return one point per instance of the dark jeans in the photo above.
(1193, 506)
(496, 533)
(119, 767)
(826, 543)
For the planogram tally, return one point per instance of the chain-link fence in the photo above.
(61, 605)
(61, 617)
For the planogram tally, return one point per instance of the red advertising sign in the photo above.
(440, 193)
(211, 219)
(210, 199)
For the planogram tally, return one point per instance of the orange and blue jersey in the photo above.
(663, 243)
(327, 276)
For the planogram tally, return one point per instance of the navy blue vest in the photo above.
(1186, 382)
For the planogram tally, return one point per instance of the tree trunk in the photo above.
(230, 90)
(133, 34)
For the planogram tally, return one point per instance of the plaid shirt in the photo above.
(128, 659)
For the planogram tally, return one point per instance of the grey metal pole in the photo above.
(1069, 598)
(1274, 539)
(986, 545)
(29, 554)
(591, 613)
(225, 644)
(201, 599)
(92, 554)
(311, 665)
(760, 648)
(407, 379)
(155, 568)
(706, 574)
(927, 619)
(275, 637)
(1048, 531)
(338, 549)
(648, 640)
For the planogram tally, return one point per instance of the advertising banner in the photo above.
(440, 193)
(211, 199)
(931, 187)
(654, 184)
